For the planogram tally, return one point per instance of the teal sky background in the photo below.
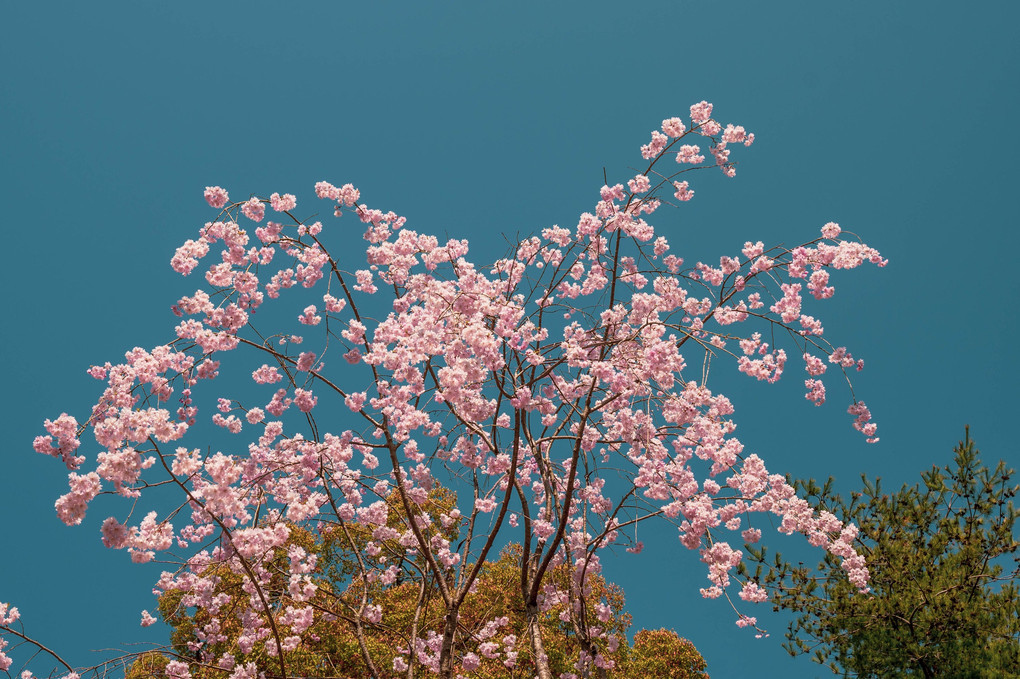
(897, 120)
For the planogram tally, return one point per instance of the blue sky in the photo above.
(894, 119)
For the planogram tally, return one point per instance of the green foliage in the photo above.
(331, 648)
(662, 654)
(944, 600)
(147, 665)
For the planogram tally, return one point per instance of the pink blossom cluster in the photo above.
(216, 196)
(8, 616)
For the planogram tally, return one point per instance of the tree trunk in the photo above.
(537, 647)
(591, 669)
(446, 659)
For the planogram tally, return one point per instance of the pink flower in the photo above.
(752, 250)
(814, 365)
(365, 284)
(683, 191)
(355, 332)
(308, 317)
(115, 534)
(722, 158)
(278, 403)
(186, 258)
(306, 360)
(701, 112)
(753, 592)
(177, 670)
(348, 195)
(254, 209)
(831, 230)
(208, 369)
(8, 615)
(230, 423)
(639, 184)
(543, 529)
(355, 401)
(614, 192)
(147, 619)
(673, 127)
(819, 286)
(734, 135)
(471, 662)
(690, 154)
(811, 325)
(65, 428)
(216, 197)
(789, 306)
(84, 488)
(862, 421)
(267, 375)
(281, 203)
(485, 505)
(327, 190)
(304, 400)
(333, 304)
(270, 233)
(652, 149)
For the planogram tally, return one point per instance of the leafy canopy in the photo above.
(942, 558)
(412, 608)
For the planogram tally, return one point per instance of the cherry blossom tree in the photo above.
(562, 393)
